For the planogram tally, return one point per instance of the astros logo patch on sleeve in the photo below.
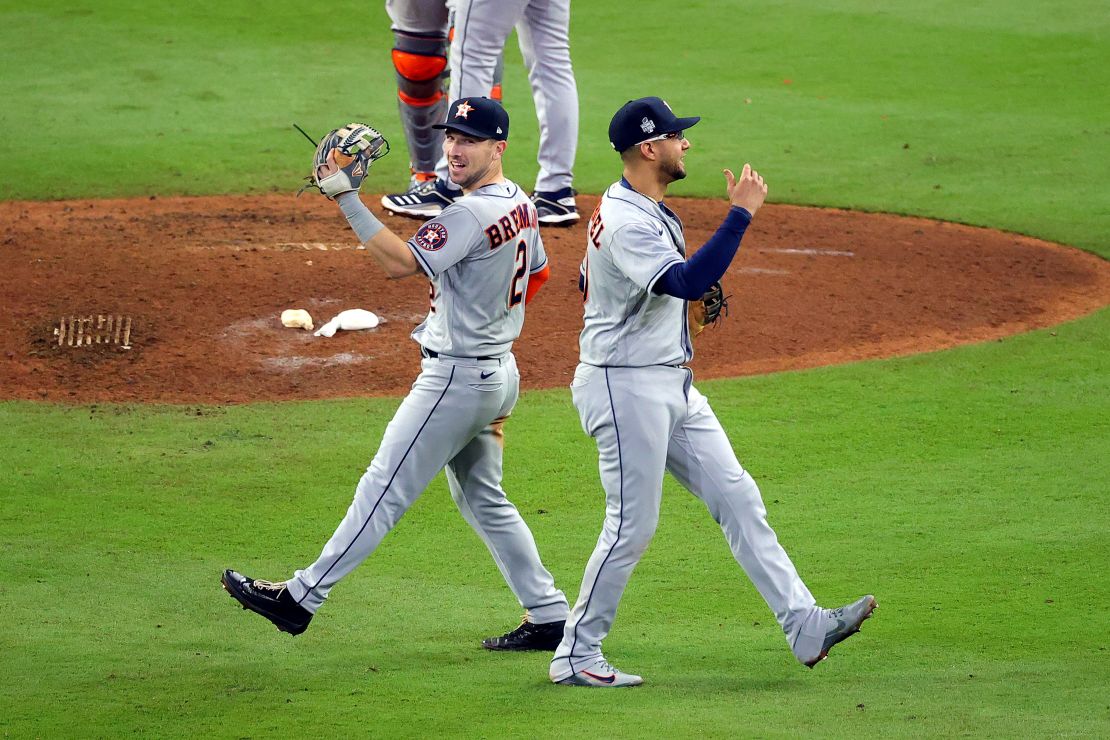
(431, 237)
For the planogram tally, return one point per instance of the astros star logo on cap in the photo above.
(463, 110)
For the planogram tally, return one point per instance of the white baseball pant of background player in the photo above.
(421, 29)
(452, 417)
(542, 26)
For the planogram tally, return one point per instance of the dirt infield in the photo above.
(185, 294)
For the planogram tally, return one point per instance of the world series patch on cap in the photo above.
(477, 116)
(642, 119)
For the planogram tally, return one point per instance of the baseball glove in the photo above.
(708, 309)
(343, 159)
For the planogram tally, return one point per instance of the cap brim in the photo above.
(681, 124)
(462, 129)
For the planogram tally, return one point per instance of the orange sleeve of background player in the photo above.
(535, 282)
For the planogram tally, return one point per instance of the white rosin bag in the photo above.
(352, 319)
(296, 318)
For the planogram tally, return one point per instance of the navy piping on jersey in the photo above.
(659, 273)
(657, 218)
(687, 349)
(620, 524)
(425, 265)
(666, 224)
(665, 209)
(384, 490)
(420, 259)
(687, 345)
(624, 183)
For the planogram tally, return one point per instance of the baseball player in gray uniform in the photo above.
(543, 29)
(484, 258)
(635, 397)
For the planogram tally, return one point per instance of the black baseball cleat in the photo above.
(528, 636)
(271, 600)
(556, 207)
(423, 200)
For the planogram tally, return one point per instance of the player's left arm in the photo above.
(535, 282)
(540, 273)
(339, 166)
(691, 279)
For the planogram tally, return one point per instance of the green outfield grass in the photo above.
(992, 115)
(966, 489)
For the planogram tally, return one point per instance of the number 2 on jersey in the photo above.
(516, 287)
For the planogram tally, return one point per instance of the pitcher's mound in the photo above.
(198, 286)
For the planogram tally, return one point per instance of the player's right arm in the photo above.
(387, 248)
(392, 254)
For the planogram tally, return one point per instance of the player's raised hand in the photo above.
(749, 191)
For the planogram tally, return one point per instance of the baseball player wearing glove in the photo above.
(485, 260)
(635, 397)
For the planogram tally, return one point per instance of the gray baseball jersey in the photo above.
(478, 253)
(637, 400)
(492, 241)
(631, 242)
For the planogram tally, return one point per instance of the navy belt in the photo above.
(434, 355)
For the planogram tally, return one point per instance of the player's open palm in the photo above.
(749, 191)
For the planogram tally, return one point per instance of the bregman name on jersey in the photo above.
(508, 226)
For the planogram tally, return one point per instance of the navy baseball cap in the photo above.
(642, 119)
(479, 117)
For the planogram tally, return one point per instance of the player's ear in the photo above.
(499, 147)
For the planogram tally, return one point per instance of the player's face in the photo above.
(470, 160)
(672, 152)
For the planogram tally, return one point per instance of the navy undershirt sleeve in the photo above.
(690, 279)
